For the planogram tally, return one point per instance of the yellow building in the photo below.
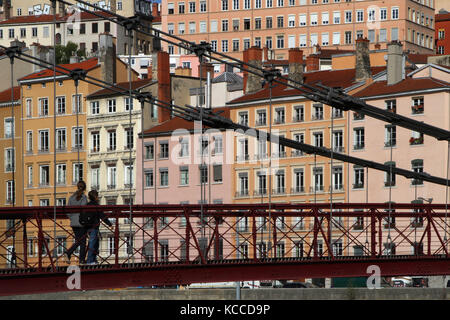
(46, 171)
(292, 176)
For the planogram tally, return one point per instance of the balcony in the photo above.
(165, 155)
(260, 192)
(389, 144)
(44, 150)
(337, 188)
(298, 189)
(111, 186)
(279, 155)
(261, 156)
(297, 153)
(110, 149)
(298, 119)
(358, 146)
(278, 191)
(61, 149)
(338, 149)
(128, 185)
(241, 194)
(243, 157)
(358, 185)
(317, 117)
(95, 187)
(316, 189)
(417, 109)
(44, 184)
(415, 141)
(358, 116)
(260, 123)
(95, 150)
(278, 121)
(8, 168)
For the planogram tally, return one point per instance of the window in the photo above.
(61, 139)
(261, 118)
(148, 177)
(217, 173)
(279, 116)
(95, 177)
(10, 192)
(77, 138)
(390, 136)
(44, 175)
(338, 141)
(358, 138)
(181, 7)
(164, 177)
(128, 103)
(95, 139)
(94, 27)
(383, 14)
(61, 174)
(29, 142)
(299, 181)
(299, 114)
(184, 176)
(77, 172)
(417, 166)
(418, 105)
(243, 184)
(338, 182)
(43, 107)
(95, 107)
(389, 180)
(111, 105)
(318, 139)
(9, 127)
(395, 13)
(191, 7)
(164, 150)
(224, 45)
(317, 179)
(149, 151)
(358, 181)
(313, 17)
(129, 138)
(111, 178)
(317, 112)
(111, 140)
(128, 176)
(43, 141)
(280, 42)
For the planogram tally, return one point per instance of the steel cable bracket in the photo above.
(270, 75)
(131, 23)
(77, 75)
(200, 49)
(12, 52)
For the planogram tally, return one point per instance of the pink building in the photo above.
(423, 95)
(172, 172)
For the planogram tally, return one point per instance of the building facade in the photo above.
(231, 26)
(443, 33)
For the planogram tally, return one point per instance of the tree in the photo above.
(63, 53)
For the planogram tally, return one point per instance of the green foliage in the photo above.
(63, 53)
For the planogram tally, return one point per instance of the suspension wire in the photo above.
(331, 183)
(446, 194)
(391, 179)
(54, 125)
(13, 158)
(314, 92)
(367, 201)
(193, 113)
(131, 163)
(270, 171)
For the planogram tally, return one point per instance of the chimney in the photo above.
(362, 65)
(295, 65)
(253, 56)
(206, 67)
(395, 63)
(161, 73)
(155, 11)
(42, 53)
(61, 9)
(7, 9)
(180, 71)
(107, 58)
(113, 6)
(312, 63)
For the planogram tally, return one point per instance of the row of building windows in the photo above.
(280, 21)
(61, 105)
(61, 174)
(302, 41)
(184, 174)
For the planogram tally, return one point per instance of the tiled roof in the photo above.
(5, 96)
(327, 53)
(419, 58)
(124, 85)
(331, 78)
(48, 18)
(443, 17)
(175, 123)
(379, 88)
(84, 65)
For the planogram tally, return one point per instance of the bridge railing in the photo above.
(37, 237)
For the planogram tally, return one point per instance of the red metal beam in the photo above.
(97, 279)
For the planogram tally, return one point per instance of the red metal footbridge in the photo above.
(183, 244)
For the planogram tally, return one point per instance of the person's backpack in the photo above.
(88, 218)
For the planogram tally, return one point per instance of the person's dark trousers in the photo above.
(80, 241)
(93, 245)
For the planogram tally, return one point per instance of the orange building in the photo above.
(46, 171)
(10, 170)
(293, 176)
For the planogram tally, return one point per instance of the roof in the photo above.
(419, 58)
(48, 18)
(167, 127)
(331, 78)
(86, 65)
(5, 96)
(380, 88)
(327, 53)
(112, 91)
(442, 17)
